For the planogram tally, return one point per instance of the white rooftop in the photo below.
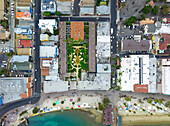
(19, 58)
(103, 68)
(165, 76)
(47, 24)
(48, 51)
(130, 71)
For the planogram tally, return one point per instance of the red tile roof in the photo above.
(163, 45)
(25, 43)
(45, 72)
(29, 92)
(141, 88)
(24, 95)
(28, 85)
(151, 3)
(29, 79)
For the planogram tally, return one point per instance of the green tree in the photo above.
(58, 13)
(54, 104)
(4, 23)
(155, 10)
(87, 36)
(143, 16)
(9, 54)
(46, 13)
(73, 103)
(106, 102)
(62, 102)
(131, 20)
(72, 108)
(155, 1)
(165, 9)
(148, 1)
(149, 101)
(48, 33)
(162, 0)
(147, 9)
(35, 110)
(3, 71)
(56, 31)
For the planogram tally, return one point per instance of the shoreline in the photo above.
(97, 115)
(145, 119)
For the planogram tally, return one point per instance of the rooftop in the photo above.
(77, 30)
(64, 6)
(87, 2)
(19, 58)
(25, 43)
(24, 51)
(20, 66)
(166, 20)
(102, 10)
(146, 21)
(132, 45)
(87, 10)
(164, 41)
(12, 87)
(48, 51)
(4, 35)
(23, 15)
(165, 76)
(23, 2)
(48, 5)
(141, 88)
(2, 8)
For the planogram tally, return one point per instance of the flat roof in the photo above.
(12, 87)
(103, 68)
(141, 88)
(48, 51)
(19, 58)
(133, 45)
(2, 7)
(23, 2)
(24, 51)
(77, 30)
(166, 41)
(23, 15)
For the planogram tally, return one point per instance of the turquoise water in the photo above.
(66, 118)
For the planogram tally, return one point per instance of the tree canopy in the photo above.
(155, 10)
(46, 13)
(147, 9)
(165, 9)
(131, 20)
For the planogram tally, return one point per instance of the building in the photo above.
(149, 29)
(136, 45)
(138, 74)
(47, 24)
(25, 43)
(103, 10)
(108, 115)
(166, 20)
(146, 21)
(77, 30)
(164, 43)
(23, 30)
(20, 63)
(48, 5)
(2, 9)
(48, 51)
(101, 79)
(165, 76)
(23, 9)
(4, 35)
(49, 69)
(64, 7)
(87, 7)
(12, 88)
(44, 37)
(155, 43)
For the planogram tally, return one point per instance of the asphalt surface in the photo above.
(76, 9)
(36, 84)
(113, 36)
(92, 19)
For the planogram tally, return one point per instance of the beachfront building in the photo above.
(101, 79)
(165, 76)
(49, 70)
(138, 74)
(12, 88)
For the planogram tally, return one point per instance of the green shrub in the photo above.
(22, 113)
(58, 13)
(73, 103)
(128, 98)
(62, 102)
(54, 104)
(149, 101)
(106, 101)
(35, 110)
(46, 13)
(143, 16)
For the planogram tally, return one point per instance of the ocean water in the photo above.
(66, 118)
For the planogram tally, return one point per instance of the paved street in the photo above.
(76, 9)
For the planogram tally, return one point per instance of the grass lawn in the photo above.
(102, 3)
